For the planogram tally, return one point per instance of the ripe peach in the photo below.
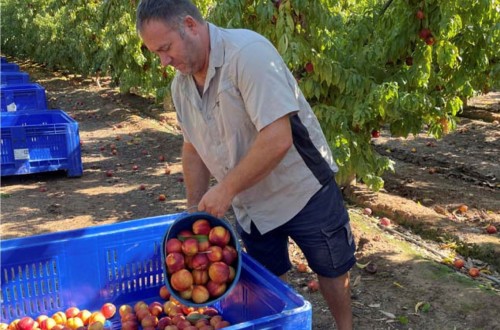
(178, 318)
(175, 262)
(463, 208)
(201, 322)
(4, 326)
(200, 261)
(84, 315)
(142, 313)
(210, 311)
(367, 211)
(176, 310)
(163, 322)
(200, 276)
(216, 289)
(72, 312)
(302, 268)
(59, 317)
(181, 280)
(97, 317)
(156, 308)
(13, 325)
(201, 227)
(458, 263)
(40, 318)
(124, 310)
(184, 324)
(219, 236)
(174, 245)
(130, 317)
(474, 272)
(164, 294)
(218, 272)
(167, 305)
(171, 327)
(162, 197)
(74, 323)
(200, 294)
(215, 253)
(385, 221)
(26, 323)
(490, 229)
(149, 321)
(187, 294)
(130, 325)
(47, 324)
(140, 305)
(229, 254)
(313, 285)
(215, 319)
(108, 310)
(97, 325)
(190, 247)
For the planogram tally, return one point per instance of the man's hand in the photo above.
(216, 201)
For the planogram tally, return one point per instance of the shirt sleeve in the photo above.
(267, 87)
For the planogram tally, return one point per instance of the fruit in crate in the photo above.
(108, 310)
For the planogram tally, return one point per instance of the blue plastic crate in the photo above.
(23, 97)
(40, 141)
(3, 59)
(9, 67)
(121, 263)
(14, 77)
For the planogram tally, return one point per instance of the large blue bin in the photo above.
(40, 141)
(121, 263)
(6, 66)
(22, 97)
(14, 77)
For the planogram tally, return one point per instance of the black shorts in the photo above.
(321, 230)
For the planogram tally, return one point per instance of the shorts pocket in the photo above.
(341, 243)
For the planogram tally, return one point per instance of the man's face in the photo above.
(183, 52)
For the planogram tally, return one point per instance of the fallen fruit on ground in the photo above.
(491, 229)
(385, 221)
(313, 285)
(473, 272)
(458, 263)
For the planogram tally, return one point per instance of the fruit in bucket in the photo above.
(206, 264)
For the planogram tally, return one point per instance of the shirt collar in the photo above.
(216, 47)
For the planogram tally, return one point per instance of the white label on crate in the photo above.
(21, 154)
(11, 107)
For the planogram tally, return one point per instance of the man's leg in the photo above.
(337, 294)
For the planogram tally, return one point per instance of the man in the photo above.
(246, 122)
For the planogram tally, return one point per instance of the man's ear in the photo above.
(191, 24)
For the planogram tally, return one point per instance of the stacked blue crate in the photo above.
(33, 138)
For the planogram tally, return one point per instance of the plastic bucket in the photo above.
(184, 223)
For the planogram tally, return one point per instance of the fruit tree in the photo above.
(364, 65)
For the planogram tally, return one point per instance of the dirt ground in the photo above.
(414, 285)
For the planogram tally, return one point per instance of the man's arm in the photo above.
(269, 148)
(196, 175)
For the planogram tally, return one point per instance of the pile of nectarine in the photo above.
(200, 262)
(170, 314)
(71, 319)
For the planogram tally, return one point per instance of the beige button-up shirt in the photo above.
(248, 86)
